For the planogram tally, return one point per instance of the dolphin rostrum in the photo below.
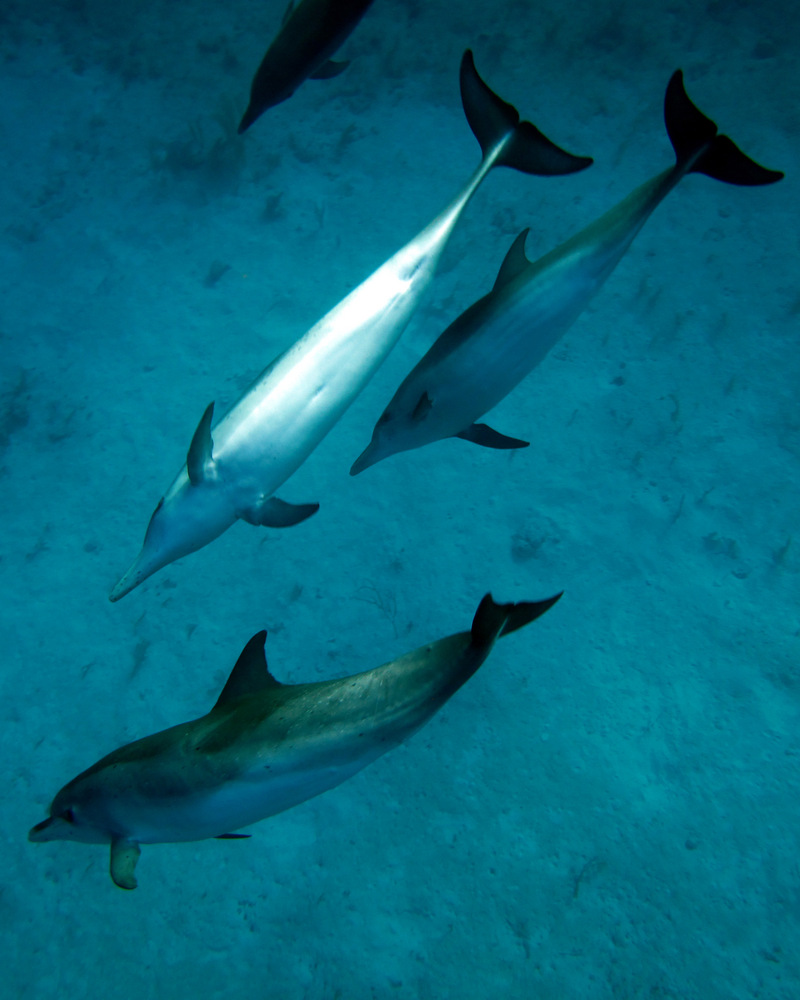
(265, 746)
(499, 339)
(310, 34)
(271, 430)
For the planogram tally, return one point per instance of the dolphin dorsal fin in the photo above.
(250, 674)
(200, 459)
(515, 261)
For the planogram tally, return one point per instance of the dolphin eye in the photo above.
(159, 505)
(68, 815)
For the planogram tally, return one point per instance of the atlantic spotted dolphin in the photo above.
(498, 340)
(266, 746)
(310, 34)
(273, 428)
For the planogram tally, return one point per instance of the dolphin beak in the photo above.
(137, 574)
(365, 459)
(42, 832)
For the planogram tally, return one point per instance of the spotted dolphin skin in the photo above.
(273, 428)
(266, 746)
(312, 31)
(495, 343)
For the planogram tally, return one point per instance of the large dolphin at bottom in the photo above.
(498, 340)
(266, 746)
(273, 428)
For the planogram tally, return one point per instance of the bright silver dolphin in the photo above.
(310, 34)
(266, 746)
(495, 343)
(271, 430)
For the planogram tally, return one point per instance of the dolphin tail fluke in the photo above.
(493, 620)
(700, 148)
(492, 119)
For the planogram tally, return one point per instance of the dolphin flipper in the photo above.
(124, 855)
(486, 436)
(275, 513)
(328, 70)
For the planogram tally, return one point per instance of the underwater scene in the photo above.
(353, 339)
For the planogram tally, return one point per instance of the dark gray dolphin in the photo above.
(499, 339)
(310, 34)
(266, 746)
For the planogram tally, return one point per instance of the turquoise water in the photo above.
(610, 807)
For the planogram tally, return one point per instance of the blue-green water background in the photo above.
(610, 807)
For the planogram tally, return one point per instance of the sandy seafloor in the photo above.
(610, 807)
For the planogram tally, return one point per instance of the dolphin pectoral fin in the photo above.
(515, 261)
(329, 69)
(124, 855)
(233, 836)
(275, 513)
(485, 436)
(200, 460)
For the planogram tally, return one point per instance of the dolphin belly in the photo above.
(232, 806)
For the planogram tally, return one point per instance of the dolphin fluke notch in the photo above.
(700, 148)
(491, 119)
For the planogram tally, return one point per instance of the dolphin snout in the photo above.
(365, 459)
(41, 832)
(137, 574)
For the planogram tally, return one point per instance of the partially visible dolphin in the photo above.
(310, 34)
(499, 339)
(265, 746)
(273, 428)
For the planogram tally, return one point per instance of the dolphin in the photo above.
(500, 338)
(276, 424)
(265, 746)
(311, 32)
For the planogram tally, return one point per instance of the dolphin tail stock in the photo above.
(494, 122)
(493, 620)
(700, 149)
